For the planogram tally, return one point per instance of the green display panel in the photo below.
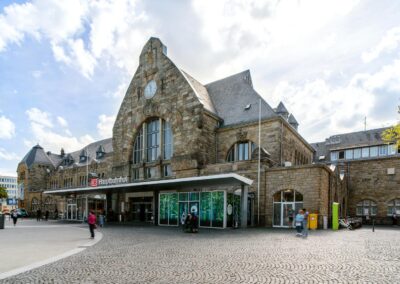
(217, 209)
(335, 216)
(212, 209)
(205, 209)
(168, 209)
(183, 196)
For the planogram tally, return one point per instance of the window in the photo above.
(149, 146)
(393, 206)
(373, 151)
(241, 151)
(138, 147)
(334, 156)
(366, 208)
(357, 153)
(383, 150)
(341, 155)
(151, 172)
(349, 154)
(365, 152)
(136, 174)
(167, 170)
(153, 140)
(392, 149)
(167, 139)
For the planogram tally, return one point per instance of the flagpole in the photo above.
(259, 162)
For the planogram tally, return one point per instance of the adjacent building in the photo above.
(371, 168)
(10, 184)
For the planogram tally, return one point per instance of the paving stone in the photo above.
(167, 255)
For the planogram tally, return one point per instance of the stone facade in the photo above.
(202, 139)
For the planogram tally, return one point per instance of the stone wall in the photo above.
(312, 181)
(369, 179)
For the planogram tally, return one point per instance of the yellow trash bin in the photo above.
(313, 221)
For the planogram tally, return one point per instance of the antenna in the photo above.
(365, 123)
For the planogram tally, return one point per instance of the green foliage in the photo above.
(3, 193)
(392, 135)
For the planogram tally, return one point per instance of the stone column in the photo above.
(243, 206)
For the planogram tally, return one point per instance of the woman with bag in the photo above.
(92, 223)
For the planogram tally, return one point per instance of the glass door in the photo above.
(71, 212)
(287, 214)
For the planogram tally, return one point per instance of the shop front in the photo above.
(219, 201)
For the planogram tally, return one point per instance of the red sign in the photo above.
(93, 182)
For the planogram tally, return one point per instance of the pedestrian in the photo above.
(195, 222)
(291, 217)
(38, 215)
(305, 223)
(394, 218)
(46, 215)
(14, 216)
(92, 223)
(56, 214)
(299, 223)
(101, 219)
(188, 223)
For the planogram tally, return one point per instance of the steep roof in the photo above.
(281, 109)
(349, 140)
(201, 93)
(292, 119)
(236, 101)
(36, 156)
(91, 150)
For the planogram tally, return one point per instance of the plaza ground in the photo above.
(129, 254)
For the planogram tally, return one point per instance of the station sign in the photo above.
(108, 181)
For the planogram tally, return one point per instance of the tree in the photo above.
(3, 193)
(392, 135)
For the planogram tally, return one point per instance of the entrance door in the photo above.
(71, 212)
(287, 214)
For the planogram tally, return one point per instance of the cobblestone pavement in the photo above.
(167, 255)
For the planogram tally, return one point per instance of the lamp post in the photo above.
(259, 163)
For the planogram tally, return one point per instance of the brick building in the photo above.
(371, 169)
(179, 146)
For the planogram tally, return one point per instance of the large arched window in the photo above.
(240, 151)
(393, 206)
(366, 208)
(153, 141)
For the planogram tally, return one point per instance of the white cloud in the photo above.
(105, 125)
(41, 124)
(80, 32)
(7, 128)
(39, 117)
(8, 156)
(37, 74)
(62, 122)
(388, 43)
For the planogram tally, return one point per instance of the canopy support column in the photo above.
(243, 207)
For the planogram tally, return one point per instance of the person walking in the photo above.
(290, 217)
(305, 223)
(92, 223)
(14, 216)
(299, 222)
(46, 215)
(56, 214)
(38, 215)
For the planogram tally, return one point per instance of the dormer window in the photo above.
(83, 156)
(100, 152)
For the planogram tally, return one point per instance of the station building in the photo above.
(218, 150)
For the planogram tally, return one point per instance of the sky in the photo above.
(65, 65)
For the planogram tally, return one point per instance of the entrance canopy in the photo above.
(230, 179)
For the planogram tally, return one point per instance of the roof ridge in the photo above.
(229, 77)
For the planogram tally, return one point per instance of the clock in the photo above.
(150, 89)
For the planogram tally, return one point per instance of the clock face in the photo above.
(150, 89)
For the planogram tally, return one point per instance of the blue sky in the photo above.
(65, 65)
